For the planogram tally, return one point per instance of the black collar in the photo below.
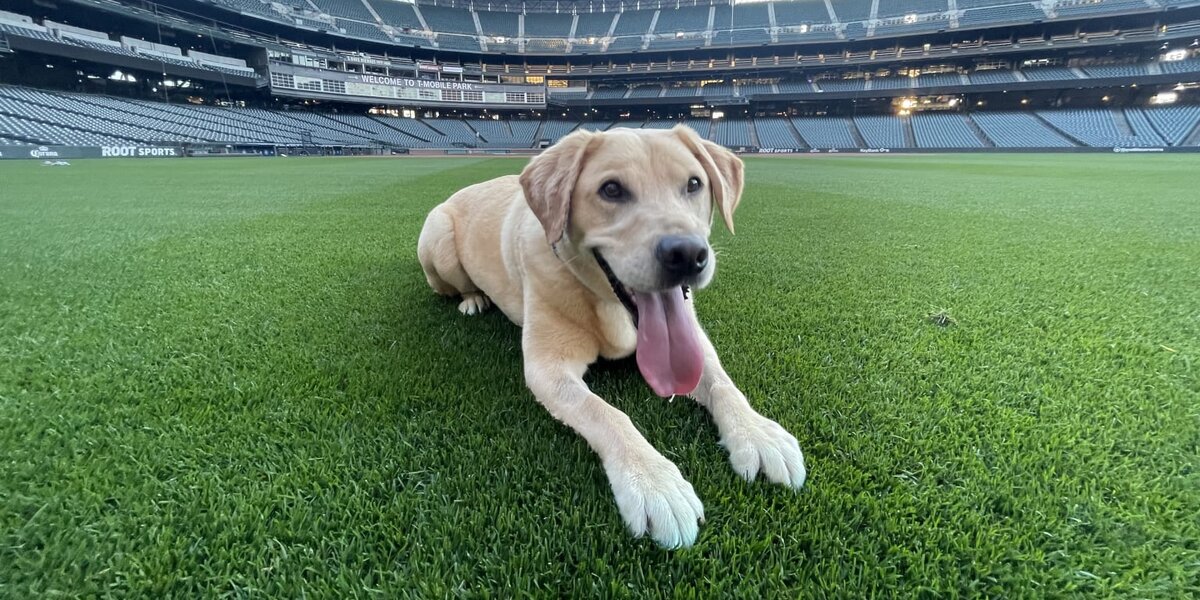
(618, 288)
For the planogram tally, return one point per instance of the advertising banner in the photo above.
(71, 152)
(293, 80)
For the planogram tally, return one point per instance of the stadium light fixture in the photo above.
(1164, 98)
(907, 103)
(1024, 100)
(1174, 55)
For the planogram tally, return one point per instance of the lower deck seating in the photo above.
(30, 116)
(882, 131)
(776, 132)
(944, 130)
(825, 132)
(1175, 123)
(1019, 130)
(1099, 127)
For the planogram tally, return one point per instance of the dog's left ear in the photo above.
(725, 172)
(549, 180)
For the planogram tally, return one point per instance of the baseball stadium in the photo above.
(964, 278)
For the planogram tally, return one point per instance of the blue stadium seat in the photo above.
(1077, 8)
(849, 10)
(1099, 127)
(776, 132)
(794, 87)
(453, 20)
(503, 24)
(899, 8)
(547, 25)
(744, 16)
(1174, 122)
(840, 85)
(682, 91)
(732, 132)
(555, 128)
(800, 12)
(646, 91)
(458, 42)
(717, 90)
(1117, 71)
(610, 93)
(1181, 66)
(1020, 12)
(686, 19)
(1049, 74)
(1018, 130)
(349, 9)
(881, 131)
(944, 130)
(366, 31)
(400, 15)
(992, 76)
(633, 22)
(595, 25)
(825, 132)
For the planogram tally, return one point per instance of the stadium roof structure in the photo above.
(577, 6)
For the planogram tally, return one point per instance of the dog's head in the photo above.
(638, 206)
(641, 201)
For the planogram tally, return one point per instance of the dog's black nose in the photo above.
(682, 255)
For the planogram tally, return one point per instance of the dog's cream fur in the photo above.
(525, 244)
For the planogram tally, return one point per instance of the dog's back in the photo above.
(462, 245)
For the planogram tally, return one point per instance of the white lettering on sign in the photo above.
(43, 152)
(418, 83)
(136, 151)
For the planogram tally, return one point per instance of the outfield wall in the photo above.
(144, 151)
(1075, 150)
(69, 152)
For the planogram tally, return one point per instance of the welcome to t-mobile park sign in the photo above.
(300, 81)
(430, 84)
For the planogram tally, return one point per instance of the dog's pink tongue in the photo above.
(668, 349)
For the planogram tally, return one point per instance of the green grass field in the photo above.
(228, 377)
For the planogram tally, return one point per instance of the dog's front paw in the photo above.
(654, 498)
(473, 303)
(762, 445)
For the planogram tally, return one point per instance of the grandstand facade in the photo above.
(186, 77)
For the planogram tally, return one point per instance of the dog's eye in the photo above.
(693, 185)
(612, 190)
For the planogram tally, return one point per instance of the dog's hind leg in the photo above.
(438, 252)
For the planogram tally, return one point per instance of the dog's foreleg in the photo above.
(652, 495)
(755, 443)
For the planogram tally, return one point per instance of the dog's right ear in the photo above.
(549, 180)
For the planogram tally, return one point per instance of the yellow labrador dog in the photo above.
(593, 251)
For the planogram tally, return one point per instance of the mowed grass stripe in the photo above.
(229, 376)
